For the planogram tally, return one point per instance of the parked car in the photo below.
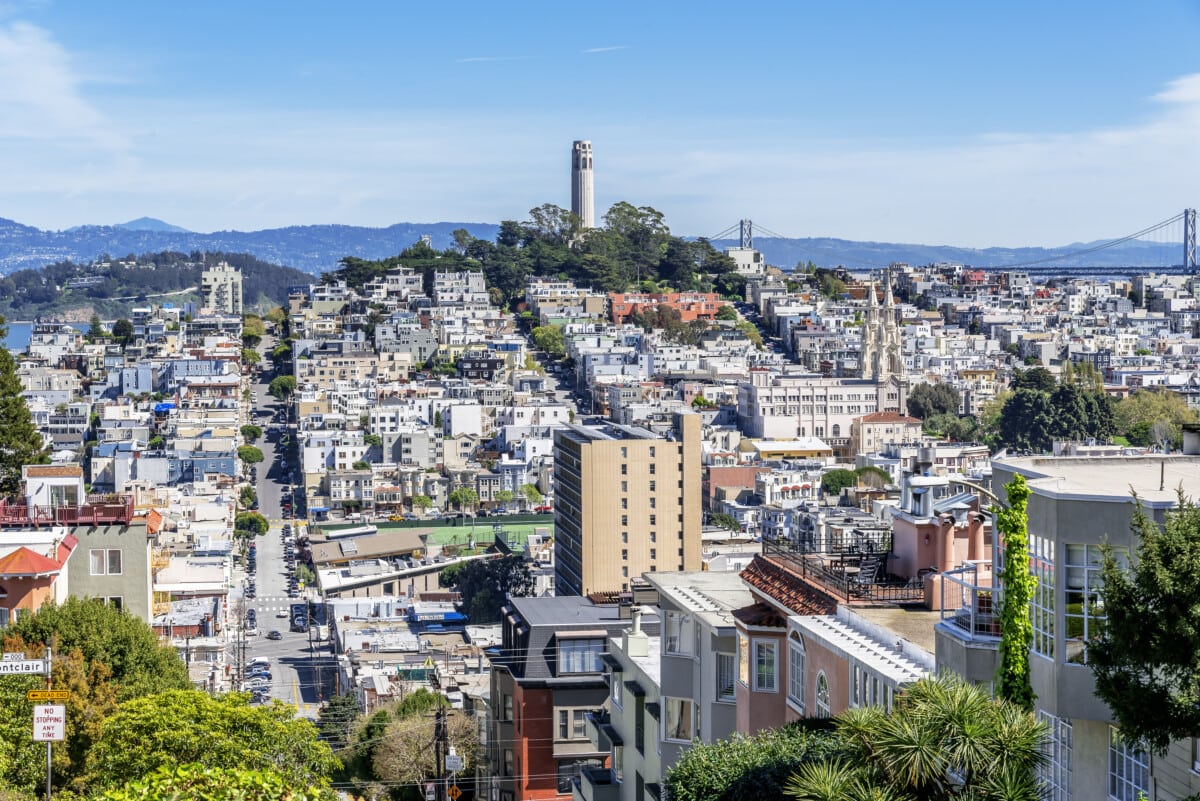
(282, 613)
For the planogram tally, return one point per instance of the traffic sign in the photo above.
(49, 723)
(454, 792)
(48, 695)
(454, 763)
(26, 667)
(430, 791)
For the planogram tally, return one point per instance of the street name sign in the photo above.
(27, 667)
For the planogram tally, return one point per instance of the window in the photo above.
(618, 688)
(726, 672)
(1083, 613)
(743, 659)
(508, 762)
(654, 536)
(624, 504)
(625, 537)
(106, 562)
(1055, 773)
(624, 520)
(653, 503)
(1128, 768)
(796, 673)
(116, 602)
(624, 486)
(624, 452)
(1041, 566)
(765, 666)
(654, 520)
(679, 719)
(653, 467)
(506, 706)
(624, 554)
(624, 469)
(571, 724)
(651, 451)
(580, 656)
(653, 553)
(822, 695)
(679, 635)
(653, 485)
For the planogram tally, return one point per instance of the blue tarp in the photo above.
(163, 407)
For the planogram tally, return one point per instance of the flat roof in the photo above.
(1155, 478)
(710, 594)
(564, 610)
(881, 657)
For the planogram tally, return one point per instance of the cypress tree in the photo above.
(20, 442)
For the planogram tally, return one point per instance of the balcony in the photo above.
(98, 511)
(600, 730)
(596, 784)
(969, 605)
(849, 564)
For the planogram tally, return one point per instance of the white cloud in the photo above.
(40, 91)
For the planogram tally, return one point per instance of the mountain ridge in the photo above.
(318, 248)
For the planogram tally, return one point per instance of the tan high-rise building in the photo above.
(582, 204)
(626, 502)
(221, 289)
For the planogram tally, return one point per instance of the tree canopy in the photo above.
(927, 400)
(201, 782)
(187, 726)
(282, 387)
(250, 454)
(1144, 656)
(485, 583)
(20, 441)
(945, 739)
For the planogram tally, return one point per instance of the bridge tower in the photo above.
(1189, 241)
(746, 234)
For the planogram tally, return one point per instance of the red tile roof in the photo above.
(26, 563)
(786, 588)
(761, 615)
(888, 417)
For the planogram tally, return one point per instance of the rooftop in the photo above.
(564, 610)
(1155, 478)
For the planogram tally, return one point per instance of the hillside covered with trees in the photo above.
(634, 249)
(110, 287)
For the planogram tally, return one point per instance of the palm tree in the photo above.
(946, 739)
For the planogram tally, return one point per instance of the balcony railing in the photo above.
(970, 601)
(94, 513)
(850, 571)
(597, 784)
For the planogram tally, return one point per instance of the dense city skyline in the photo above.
(977, 127)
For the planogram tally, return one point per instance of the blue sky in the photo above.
(943, 123)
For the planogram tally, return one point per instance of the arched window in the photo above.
(837, 430)
(822, 697)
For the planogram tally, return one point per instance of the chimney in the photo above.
(635, 642)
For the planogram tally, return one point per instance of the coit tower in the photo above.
(581, 184)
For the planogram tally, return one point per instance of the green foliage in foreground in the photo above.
(747, 768)
(187, 726)
(205, 783)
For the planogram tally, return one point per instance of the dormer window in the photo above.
(580, 654)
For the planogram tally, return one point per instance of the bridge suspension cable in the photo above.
(1093, 249)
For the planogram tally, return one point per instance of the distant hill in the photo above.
(856, 256)
(311, 248)
(318, 248)
(151, 224)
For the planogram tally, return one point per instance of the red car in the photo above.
(543, 508)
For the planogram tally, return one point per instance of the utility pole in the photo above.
(440, 750)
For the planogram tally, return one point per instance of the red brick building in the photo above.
(690, 305)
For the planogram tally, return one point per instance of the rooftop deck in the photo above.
(851, 568)
(98, 511)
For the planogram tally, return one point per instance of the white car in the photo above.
(282, 614)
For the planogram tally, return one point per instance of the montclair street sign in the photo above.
(17, 664)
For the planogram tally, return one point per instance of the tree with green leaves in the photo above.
(549, 338)
(836, 480)
(1149, 417)
(484, 584)
(1038, 378)
(252, 330)
(250, 356)
(251, 432)
(945, 739)
(421, 502)
(464, 498)
(96, 329)
(282, 387)
(250, 524)
(725, 521)
(123, 642)
(748, 767)
(504, 497)
(1013, 682)
(335, 720)
(187, 726)
(1027, 421)
(122, 331)
(927, 400)
(247, 496)
(531, 494)
(20, 441)
(1144, 656)
(202, 782)
(728, 313)
(248, 454)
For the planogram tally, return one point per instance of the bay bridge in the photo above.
(1167, 247)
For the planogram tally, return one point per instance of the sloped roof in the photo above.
(25, 563)
(786, 588)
